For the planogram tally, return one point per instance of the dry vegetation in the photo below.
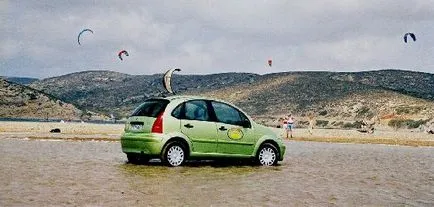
(241, 93)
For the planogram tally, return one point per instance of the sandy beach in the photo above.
(69, 130)
(380, 136)
(111, 132)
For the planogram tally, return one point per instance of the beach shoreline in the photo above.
(73, 131)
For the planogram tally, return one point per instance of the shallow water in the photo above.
(60, 173)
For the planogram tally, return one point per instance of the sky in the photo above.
(38, 38)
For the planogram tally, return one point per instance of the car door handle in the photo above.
(188, 126)
(222, 128)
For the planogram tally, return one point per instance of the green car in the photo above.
(178, 128)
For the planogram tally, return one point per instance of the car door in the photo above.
(234, 130)
(196, 124)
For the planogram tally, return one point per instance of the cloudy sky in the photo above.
(38, 38)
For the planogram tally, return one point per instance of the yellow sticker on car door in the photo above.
(235, 133)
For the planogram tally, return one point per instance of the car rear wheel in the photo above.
(267, 155)
(174, 154)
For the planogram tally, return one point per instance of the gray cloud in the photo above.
(39, 38)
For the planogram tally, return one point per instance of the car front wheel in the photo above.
(267, 155)
(174, 154)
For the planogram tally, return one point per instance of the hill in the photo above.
(117, 93)
(332, 96)
(24, 102)
(328, 96)
(21, 80)
(415, 84)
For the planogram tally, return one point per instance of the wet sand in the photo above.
(380, 136)
(95, 173)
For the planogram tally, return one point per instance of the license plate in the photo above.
(136, 127)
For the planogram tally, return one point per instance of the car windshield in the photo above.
(151, 108)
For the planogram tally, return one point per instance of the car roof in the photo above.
(191, 97)
(187, 97)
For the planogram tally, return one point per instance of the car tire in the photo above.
(136, 158)
(174, 154)
(267, 155)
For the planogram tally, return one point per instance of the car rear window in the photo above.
(151, 108)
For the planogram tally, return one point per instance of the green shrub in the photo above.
(356, 124)
(32, 96)
(402, 110)
(322, 123)
(323, 113)
(408, 110)
(406, 123)
(341, 123)
(396, 123)
(364, 112)
(302, 123)
(415, 124)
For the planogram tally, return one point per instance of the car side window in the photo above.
(196, 110)
(177, 111)
(228, 114)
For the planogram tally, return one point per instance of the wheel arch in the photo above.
(183, 141)
(263, 141)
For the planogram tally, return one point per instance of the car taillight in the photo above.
(157, 127)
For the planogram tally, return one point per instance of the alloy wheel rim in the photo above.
(175, 155)
(267, 156)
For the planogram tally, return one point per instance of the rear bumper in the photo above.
(142, 143)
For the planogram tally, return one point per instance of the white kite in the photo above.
(167, 79)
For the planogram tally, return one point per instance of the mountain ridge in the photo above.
(259, 95)
(336, 98)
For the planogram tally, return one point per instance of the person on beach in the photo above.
(312, 122)
(280, 120)
(289, 126)
(282, 125)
